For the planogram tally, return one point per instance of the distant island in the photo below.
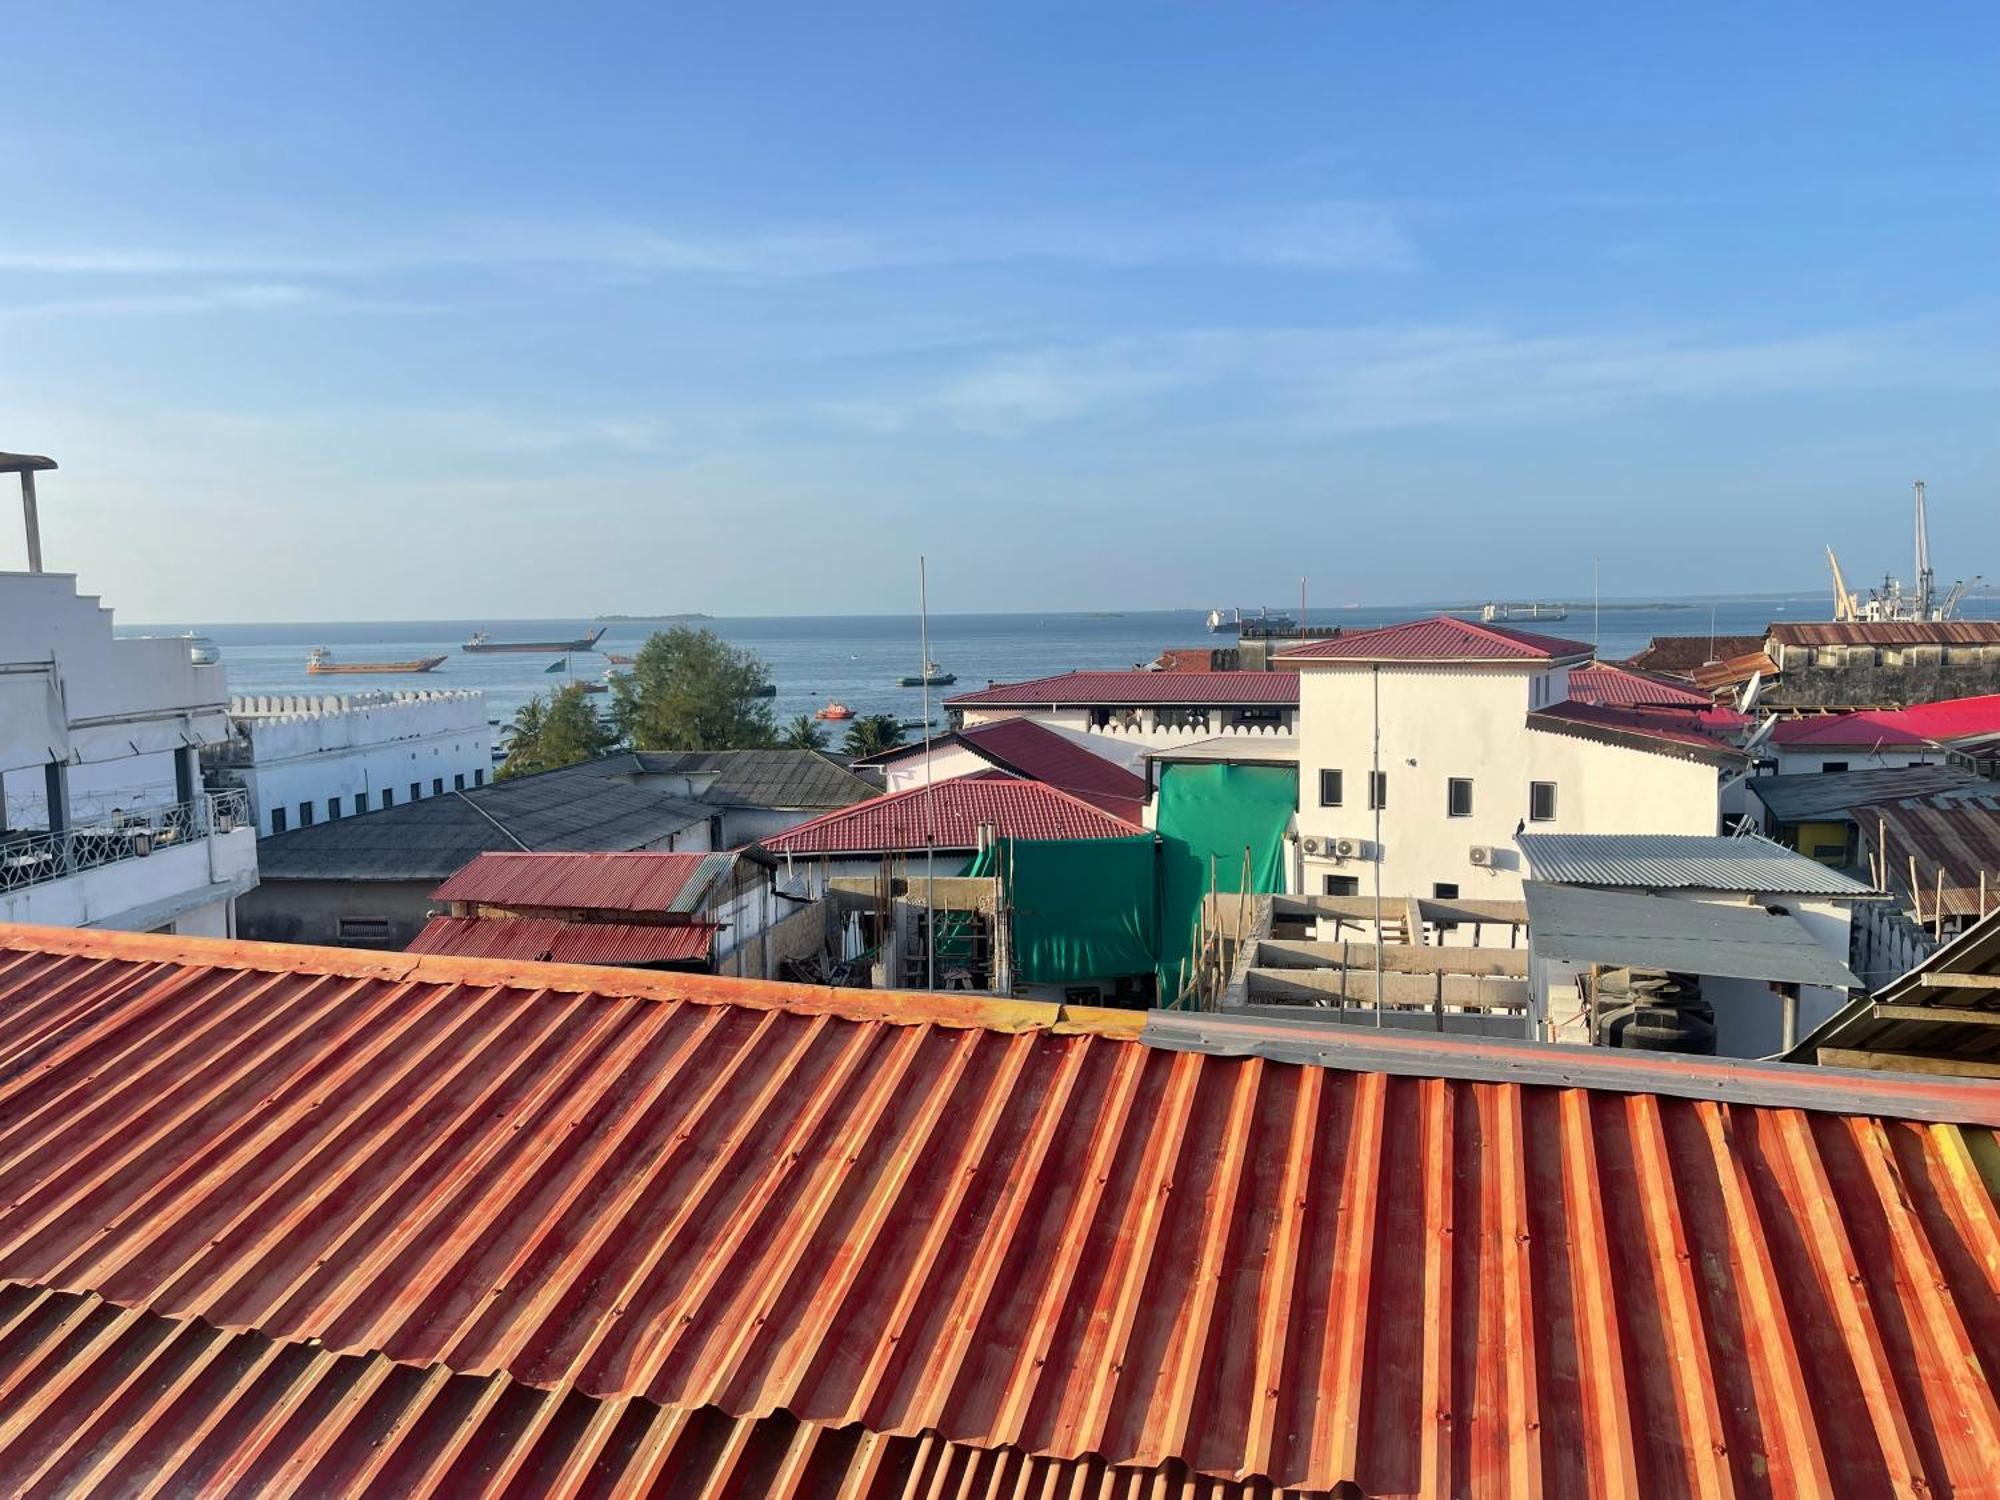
(646, 619)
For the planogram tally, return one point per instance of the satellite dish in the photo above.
(1760, 734)
(1751, 689)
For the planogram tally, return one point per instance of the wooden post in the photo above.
(1937, 905)
(32, 521)
(1916, 891)
(1437, 1000)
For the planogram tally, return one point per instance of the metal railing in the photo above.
(36, 857)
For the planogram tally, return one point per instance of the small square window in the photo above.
(479, 778)
(360, 803)
(416, 791)
(1329, 788)
(305, 815)
(1458, 797)
(333, 809)
(388, 798)
(1833, 767)
(437, 786)
(1340, 885)
(1378, 790)
(277, 820)
(458, 782)
(1541, 802)
(1444, 890)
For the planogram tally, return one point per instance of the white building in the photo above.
(1425, 747)
(1122, 715)
(103, 819)
(308, 759)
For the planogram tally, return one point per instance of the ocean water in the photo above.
(856, 659)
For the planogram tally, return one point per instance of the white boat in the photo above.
(202, 651)
(1501, 614)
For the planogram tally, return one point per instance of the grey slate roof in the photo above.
(578, 807)
(766, 778)
(1579, 925)
(1681, 861)
(1811, 795)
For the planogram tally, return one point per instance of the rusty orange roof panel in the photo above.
(579, 1205)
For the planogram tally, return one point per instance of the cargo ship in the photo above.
(481, 641)
(321, 662)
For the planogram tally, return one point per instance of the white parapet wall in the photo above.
(340, 755)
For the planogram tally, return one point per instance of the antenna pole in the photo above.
(1596, 609)
(1923, 558)
(930, 816)
(1302, 604)
(1375, 796)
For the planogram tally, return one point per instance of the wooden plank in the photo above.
(1951, 1015)
(1943, 981)
(1502, 963)
(1907, 1062)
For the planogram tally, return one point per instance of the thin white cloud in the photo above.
(245, 297)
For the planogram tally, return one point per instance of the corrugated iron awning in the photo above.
(1577, 925)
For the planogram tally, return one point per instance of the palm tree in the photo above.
(803, 733)
(871, 734)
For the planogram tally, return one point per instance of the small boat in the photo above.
(835, 711)
(202, 651)
(617, 660)
(933, 676)
(481, 641)
(321, 662)
(768, 690)
(1501, 614)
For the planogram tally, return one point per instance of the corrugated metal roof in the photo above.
(436, 1183)
(1440, 638)
(547, 940)
(647, 881)
(1733, 671)
(775, 778)
(1681, 861)
(1868, 727)
(949, 816)
(1136, 690)
(1028, 748)
(1955, 842)
(1888, 633)
(1578, 925)
(1808, 795)
(1687, 732)
(1937, 1018)
(1621, 687)
(1682, 654)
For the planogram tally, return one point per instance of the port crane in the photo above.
(1891, 601)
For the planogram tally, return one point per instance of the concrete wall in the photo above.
(162, 889)
(311, 911)
(311, 750)
(1863, 758)
(1440, 723)
(1869, 678)
(1127, 745)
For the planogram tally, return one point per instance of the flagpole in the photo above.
(930, 818)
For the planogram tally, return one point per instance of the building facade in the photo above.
(307, 759)
(1122, 715)
(103, 818)
(1424, 748)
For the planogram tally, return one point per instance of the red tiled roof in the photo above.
(1621, 687)
(649, 882)
(1136, 690)
(1440, 638)
(1682, 654)
(1870, 727)
(955, 811)
(299, 1218)
(546, 940)
(1706, 730)
(1888, 633)
(1039, 753)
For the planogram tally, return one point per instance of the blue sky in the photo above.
(348, 311)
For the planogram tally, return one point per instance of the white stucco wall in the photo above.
(168, 887)
(315, 749)
(1439, 723)
(1127, 746)
(1866, 758)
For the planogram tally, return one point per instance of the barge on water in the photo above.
(321, 662)
(481, 641)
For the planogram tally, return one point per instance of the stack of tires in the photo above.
(1657, 1012)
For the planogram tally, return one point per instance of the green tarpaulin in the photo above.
(1215, 812)
(1083, 908)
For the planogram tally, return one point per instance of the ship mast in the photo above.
(1923, 559)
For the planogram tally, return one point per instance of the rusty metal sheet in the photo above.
(640, 882)
(1070, 1248)
(544, 938)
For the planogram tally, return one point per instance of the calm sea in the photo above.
(857, 658)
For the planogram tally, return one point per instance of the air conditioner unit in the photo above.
(1312, 844)
(1345, 848)
(1485, 856)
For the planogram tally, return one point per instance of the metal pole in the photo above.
(33, 521)
(1374, 797)
(930, 818)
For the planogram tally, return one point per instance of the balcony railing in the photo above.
(29, 858)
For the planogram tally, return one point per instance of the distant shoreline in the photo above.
(647, 619)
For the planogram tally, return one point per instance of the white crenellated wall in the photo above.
(314, 749)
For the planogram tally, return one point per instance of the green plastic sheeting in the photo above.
(1218, 811)
(1083, 908)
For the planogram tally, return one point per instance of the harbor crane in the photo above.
(1891, 601)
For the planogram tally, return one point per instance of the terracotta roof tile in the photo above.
(953, 811)
(1441, 638)
(1621, 687)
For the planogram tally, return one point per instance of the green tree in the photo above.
(803, 733)
(558, 730)
(872, 733)
(689, 689)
